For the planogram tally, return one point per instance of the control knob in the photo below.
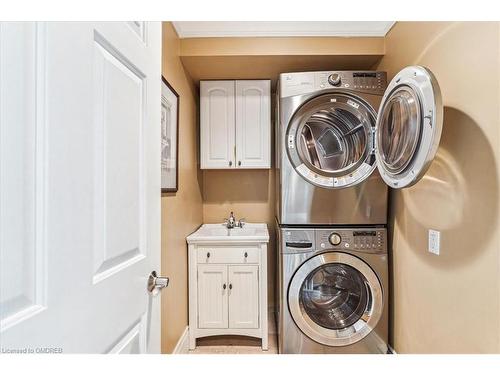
(334, 79)
(335, 239)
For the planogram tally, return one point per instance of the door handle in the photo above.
(156, 283)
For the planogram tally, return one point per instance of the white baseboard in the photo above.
(182, 346)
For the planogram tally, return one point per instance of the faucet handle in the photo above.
(241, 222)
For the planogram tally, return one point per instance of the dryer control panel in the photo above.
(371, 82)
(366, 81)
(367, 240)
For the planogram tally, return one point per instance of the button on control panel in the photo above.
(371, 240)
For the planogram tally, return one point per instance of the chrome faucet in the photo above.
(232, 222)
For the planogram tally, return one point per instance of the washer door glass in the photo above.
(330, 140)
(335, 296)
(335, 299)
(408, 127)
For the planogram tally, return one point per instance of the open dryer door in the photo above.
(408, 127)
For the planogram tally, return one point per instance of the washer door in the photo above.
(335, 299)
(330, 140)
(408, 127)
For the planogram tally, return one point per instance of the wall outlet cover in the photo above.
(434, 241)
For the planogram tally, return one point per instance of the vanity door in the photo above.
(243, 296)
(212, 296)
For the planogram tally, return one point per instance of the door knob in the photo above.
(156, 283)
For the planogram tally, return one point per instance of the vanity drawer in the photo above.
(233, 255)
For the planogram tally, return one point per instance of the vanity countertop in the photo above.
(210, 233)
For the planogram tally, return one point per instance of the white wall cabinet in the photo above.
(235, 124)
(228, 287)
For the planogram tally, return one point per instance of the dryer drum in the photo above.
(333, 139)
(330, 140)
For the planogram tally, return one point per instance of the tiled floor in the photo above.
(237, 344)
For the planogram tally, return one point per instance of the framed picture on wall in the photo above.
(169, 138)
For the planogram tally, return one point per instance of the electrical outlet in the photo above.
(434, 241)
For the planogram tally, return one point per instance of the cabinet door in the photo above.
(253, 124)
(217, 124)
(212, 296)
(243, 296)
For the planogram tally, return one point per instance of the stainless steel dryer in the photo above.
(336, 154)
(333, 292)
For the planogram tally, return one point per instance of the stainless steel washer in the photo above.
(333, 290)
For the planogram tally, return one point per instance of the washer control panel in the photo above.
(369, 240)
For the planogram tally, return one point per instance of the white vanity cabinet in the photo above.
(228, 282)
(235, 124)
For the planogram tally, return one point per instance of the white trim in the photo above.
(211, 29)
(182, 346)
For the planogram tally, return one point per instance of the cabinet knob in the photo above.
(246, 254)
(239, 163)
(224, 286)
(230, 286)
(230, 163)
(208, 255)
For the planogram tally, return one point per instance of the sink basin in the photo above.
(251, 232)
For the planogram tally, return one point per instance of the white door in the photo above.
(408, 128)
(217, 124)
(253, 124)
(212, 296)
(80, 186)
(243, 296)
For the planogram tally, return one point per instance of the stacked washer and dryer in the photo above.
(343, 138)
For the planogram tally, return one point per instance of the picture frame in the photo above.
(170, 102)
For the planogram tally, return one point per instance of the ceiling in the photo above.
(205, 29)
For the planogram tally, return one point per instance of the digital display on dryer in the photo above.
(372, 75)
(364, 233)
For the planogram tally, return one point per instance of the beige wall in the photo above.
(266, 58)
(450, 303)
(182, 211)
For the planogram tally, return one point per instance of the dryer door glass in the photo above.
(335, 296)
(330, 140)
(408, 127)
